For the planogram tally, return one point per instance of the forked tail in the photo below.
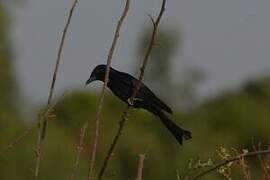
(179, 133)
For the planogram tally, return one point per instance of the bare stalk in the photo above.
(115, 140)
(126, 112)
(19, 138)
(102, 94)
(244, 168)
(79, 150)
(236, 158)
(26, 132)
(262, 163)
(43, 124)
(140, 167)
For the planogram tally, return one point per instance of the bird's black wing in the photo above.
(121, 85)
(144, 92)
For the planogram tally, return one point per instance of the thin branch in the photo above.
(261, 161)
(115, 140)
(19, 138)
(126, 112)
(43, 125)
(79, 150)
(236, 158)
(150, 47)
(26, 132)
(244, 168)
(102, 94)
(140, 167)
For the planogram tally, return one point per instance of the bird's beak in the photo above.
(91, 79)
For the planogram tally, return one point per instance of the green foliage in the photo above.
(159, 70)
(10, 122)
(7, 85)
(8, 111)
(182, 84)
(225, 121)
(145, 134)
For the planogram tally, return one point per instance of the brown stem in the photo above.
(102, 94)
(149, 49)
(79, 150)
(236, 158)
(19, 138)
(43, 125)
(125, 113)
(261, 161)
(140, 167)
(115, 140)
(244, 168)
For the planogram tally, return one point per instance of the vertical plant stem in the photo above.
(126, 112)
(244, 168)
(140, 167)
(115, 140)
(43, 124)
(261, 161)
(79, 150)
(102, 94)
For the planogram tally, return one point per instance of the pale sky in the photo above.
(229, 40)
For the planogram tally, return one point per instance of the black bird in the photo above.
(123, 85)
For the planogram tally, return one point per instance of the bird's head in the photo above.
(97, 74)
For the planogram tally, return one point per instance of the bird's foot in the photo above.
(130, 103)
(134, 99)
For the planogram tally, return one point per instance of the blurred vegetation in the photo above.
(232, 120)
(182, 84)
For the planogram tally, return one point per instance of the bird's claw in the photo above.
(131, 103)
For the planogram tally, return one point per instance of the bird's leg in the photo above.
(130, 103)
(134, 99)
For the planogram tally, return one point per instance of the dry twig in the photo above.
(79, 150)
(261, 161)
(233, 159)
(19, 138)
(244, 168)
(102, 94)
(140, 167)
(125, 113)
(43, 124)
